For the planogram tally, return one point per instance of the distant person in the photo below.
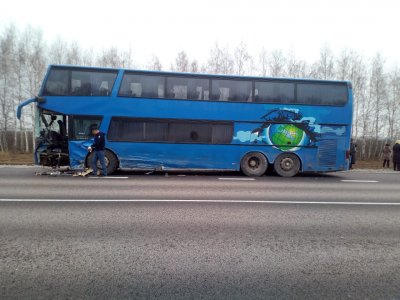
(98, 148)
(396, 156)
(353, 151)
(387, 155)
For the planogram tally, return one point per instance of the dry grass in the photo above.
(369, 164)
(7, 158)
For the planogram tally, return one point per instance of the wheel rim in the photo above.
(253, 163)
(287, 164)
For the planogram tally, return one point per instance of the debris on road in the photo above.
(64, 172)
(84, 173)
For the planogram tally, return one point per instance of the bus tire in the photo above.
(254, 164)
(112, 165)
(287, 165)
(111, 161)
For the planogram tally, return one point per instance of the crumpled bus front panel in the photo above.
(78, 153)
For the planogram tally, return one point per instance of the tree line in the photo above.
(25, 55)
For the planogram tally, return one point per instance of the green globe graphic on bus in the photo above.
(286, 137)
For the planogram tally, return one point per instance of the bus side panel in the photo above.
(150, 156)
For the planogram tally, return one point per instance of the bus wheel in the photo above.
(287, 165)
(254, 164)
(111, 161)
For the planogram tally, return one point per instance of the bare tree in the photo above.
(295, 68)
(263, 62)
(241, 59)
(21, 81)
(113, 58)
(88, 57)
(325, 65)
(35, 49)
(74, 54)
(58, 52)
(194, 66)
(343, 65)
(358, 79)
(154, 64)
(220, 61)
(181, 62)
(108, 58)
(7, 56)
(277, 64)
(392, 103)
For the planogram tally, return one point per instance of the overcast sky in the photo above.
(166, 27)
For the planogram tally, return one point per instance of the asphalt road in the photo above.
(203, 236)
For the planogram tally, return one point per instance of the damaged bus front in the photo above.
(51, 139)
(51, 136)
(70, 101)
(61, 140)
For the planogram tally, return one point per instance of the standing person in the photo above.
(387, 155)
(396, 156)
(353, 151)
(98, 150)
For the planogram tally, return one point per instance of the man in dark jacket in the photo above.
(98, 150)
(353, 152)
(396, 156)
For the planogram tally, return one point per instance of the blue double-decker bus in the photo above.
(175, 121)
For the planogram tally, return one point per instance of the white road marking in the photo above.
(206, 201)
(237, 179)
(110, 177)
(360, 181)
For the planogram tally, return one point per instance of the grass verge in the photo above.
(9, 158)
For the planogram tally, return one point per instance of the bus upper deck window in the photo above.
(79, 82)
(231, 90)
(144, 86)
(57, 83)
(274, 92)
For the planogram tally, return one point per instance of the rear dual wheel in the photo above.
(254, 164)
(287, 165)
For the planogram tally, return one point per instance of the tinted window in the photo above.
(143, 86)
(188, 88)
(88, 83)
(134, 130)
(189, 133)
(231, 90)
(321, 94)
(81, 126)
(64, 82)
(274, 92)
(57, 83)
(222, 133)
